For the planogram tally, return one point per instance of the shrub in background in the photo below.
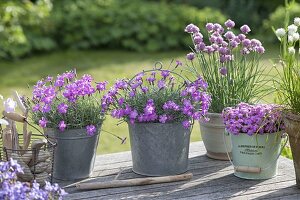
(23, 27)
(276, 19)
(130, 24)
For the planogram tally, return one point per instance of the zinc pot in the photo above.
(292, 124)
(256, 157)
(75, 154)
(217, 143)
(159, 149)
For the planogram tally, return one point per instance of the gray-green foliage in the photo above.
(85, 111)
(160, 97)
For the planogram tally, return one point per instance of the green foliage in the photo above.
(129, 24)
(27, 27)
(276, 19)
(287, 152)
(23, 27)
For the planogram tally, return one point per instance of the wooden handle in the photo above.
(248, 169)
(14, 116)
(134, 182)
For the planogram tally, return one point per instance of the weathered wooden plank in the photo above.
(212, 180)
(198, 179)
(211, 189)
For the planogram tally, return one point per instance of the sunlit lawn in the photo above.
(103, 65)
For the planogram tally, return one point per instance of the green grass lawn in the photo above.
(103, 65)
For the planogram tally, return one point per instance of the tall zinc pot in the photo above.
(292, 123)
(212, 133)
(75, 153)
(159, 149)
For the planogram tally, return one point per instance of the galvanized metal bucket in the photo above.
(212, 134)
(159, 149)
(75, 153)
(256, 157)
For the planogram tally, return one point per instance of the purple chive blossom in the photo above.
(101, 86)
(223, 71)
(91, 130)
(43, 122)
(245, 29)
(198, 40)
(62, 126)
(190, 56)
(62, 108)
(191, 28)
(229, 35)
(260, 49)
(209, 27)
(229, 24)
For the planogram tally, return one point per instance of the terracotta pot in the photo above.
(213, 135)
(292, 123)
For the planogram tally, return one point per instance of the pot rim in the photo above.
(291, 116)
(256, 134)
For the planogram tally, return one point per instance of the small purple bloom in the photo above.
(62, 126)
(163, 118)
(101, 86)
(43, 122)
(165, 73)
(91, 130)
(62, 108)
(178, 63)
(245, 29)
(161, 84)
(186, 124)
(190, 56)
(223, 71)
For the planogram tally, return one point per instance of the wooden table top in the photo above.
(212, 179)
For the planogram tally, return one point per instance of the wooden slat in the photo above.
(212, 180)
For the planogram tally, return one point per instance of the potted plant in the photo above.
(66, 107)
(159, 114)
(288, 85)
(229, 62)
(256, 134)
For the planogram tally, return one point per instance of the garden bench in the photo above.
(212, 179)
